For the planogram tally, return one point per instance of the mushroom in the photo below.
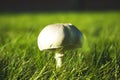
(60, 37)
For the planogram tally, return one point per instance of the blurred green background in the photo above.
(99, 59)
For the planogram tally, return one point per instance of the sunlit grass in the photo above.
(99, 59)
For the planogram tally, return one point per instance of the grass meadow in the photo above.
(99, 59)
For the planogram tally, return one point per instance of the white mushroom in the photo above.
(60, 37)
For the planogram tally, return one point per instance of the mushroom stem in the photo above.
(58, 57)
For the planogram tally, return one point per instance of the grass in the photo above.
(99, 59)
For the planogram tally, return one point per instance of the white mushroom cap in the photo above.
(60, 35)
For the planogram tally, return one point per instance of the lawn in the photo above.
(98, 59)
